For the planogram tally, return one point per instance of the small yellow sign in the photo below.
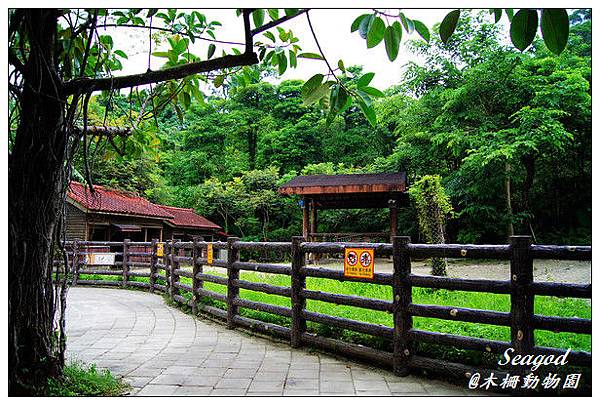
(359, 263)
(160, 249)
(209, 254)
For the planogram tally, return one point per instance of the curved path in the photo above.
(159, 350)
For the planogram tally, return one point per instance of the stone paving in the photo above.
(160, 350)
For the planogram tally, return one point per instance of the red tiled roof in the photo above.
(113, 201)
(187, 218)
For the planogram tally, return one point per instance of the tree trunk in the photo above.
(35, 181)
(439, 265)
(529, 164)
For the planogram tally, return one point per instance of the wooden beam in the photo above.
(305, 220)
(313, 219)
(393, 219)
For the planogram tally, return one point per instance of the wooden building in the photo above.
(112, 215)
(342, 191)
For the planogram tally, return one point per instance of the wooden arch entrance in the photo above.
(343, 191)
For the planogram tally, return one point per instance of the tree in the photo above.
(433, 205)
(58, 60)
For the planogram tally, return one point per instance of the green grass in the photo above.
(79, 380)
(566, 307)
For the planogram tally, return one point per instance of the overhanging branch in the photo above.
(96, 130)
(84, 85)
(272, 24)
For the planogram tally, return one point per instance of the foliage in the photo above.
(79, 380)
(484, 115)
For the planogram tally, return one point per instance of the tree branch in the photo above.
(84, 85)
(105, 131)
(272, 24)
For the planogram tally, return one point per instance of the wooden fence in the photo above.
(164, 275)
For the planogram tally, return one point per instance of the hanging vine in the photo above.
(433, 207)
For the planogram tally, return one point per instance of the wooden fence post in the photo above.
(75, 262)
(402, 290)
(233, 291)
(196, 269)
(298, 285)
(153, 263)
(521, 299)
(168, 265)
(125, 260)
(174, 267)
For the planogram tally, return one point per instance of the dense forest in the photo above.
(509, 133)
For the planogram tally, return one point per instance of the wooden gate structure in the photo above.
(186, 261)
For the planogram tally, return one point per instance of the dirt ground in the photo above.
(566, 271)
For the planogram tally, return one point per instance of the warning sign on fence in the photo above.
(209, 254)
(160, 249)
(359, 263)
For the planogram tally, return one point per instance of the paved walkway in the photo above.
(159, 350)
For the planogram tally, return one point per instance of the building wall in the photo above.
(75, 223)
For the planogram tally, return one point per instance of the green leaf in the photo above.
(290, 11)
(310, 55)
(211, 50)
(408, 24)
(422, 30)
(282, 63)
(509, 13)
(341, 65)
(258, 16)
(293, 61)
(311, 84)
(555, 29)
(368, 112)
(317, 94)
(274, 13)
(341, 98)
(364, 26)
(365, 79)
(219, 80)
(121, 53)
(392, 39)
(523, 28)
(376, 32)
(161, 54)
(497, 14)
(356, 23)
(270, 35)
(372, 91)
(448, 25)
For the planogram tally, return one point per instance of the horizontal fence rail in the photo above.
(179, 272)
